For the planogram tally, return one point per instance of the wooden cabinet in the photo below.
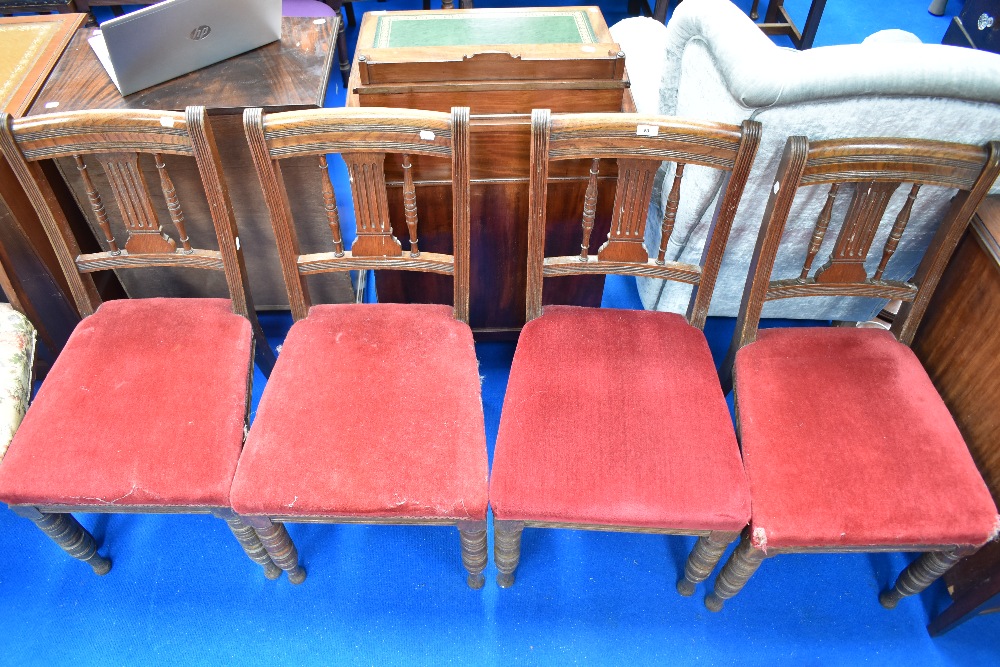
(501, 63)
(959, 345)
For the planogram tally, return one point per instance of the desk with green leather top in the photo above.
(501, 63)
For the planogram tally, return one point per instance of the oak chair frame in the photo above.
(115, 139)
(363, 137)
(639, 144)
(878, 167)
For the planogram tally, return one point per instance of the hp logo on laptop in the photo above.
(201, 32)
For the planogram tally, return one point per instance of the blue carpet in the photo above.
(181, 591)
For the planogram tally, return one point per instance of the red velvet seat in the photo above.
(846, 441)
(144, 407)
(639, 435)
(372, 411)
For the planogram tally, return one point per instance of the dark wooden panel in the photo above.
(959, 345)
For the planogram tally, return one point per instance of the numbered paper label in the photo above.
(647, 130)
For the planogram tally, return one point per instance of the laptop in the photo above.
(166, 40)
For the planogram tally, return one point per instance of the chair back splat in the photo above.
(120, 144)
(637, 145)
(363, 138)
(867, 172)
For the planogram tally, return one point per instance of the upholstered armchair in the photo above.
(712, 63)
(17, 352)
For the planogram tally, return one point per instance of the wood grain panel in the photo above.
(959, 346)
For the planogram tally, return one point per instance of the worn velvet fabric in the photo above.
(847, 443)
(616, 417)
(371, 411)
(145, 405)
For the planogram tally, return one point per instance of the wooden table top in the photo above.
(29, 47)
(291, 73)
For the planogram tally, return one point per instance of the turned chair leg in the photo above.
(735, 573)
(506, 550)
(473, 538)
(704, 557)
(67, 532)
(279, 546)
(248, 539)
(919, 575)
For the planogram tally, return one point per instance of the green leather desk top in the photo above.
(484, 27)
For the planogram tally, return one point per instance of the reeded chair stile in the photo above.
(614, 419)
(146, 406)
(846, 443)
(373, 413)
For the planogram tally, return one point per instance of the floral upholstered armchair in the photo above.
(712, 63)
(17, 352)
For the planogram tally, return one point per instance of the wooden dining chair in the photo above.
(614, 419)
(846, 443)
(145, 408)
(373, 413)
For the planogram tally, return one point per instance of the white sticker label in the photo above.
(426, 135)
(237, 242)
(319, 22)
(51, 105)
(166, 121)
(777, 186)
(587, 49)
(647, 130)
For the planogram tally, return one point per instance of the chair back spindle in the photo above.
(589, 209)
(896, 233)
(410, 206)
(670, 213)
(97, 205)
(173, 203)
(819, 232)
(330, 205)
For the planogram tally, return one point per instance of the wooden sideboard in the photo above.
(959, 345)
(501, 63)
(291, 73)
